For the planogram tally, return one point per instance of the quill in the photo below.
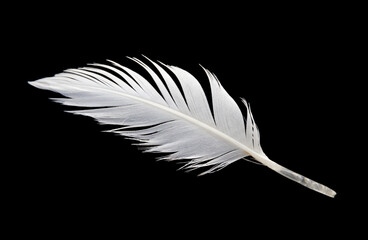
(172, 117)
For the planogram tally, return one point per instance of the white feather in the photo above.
(175, 119)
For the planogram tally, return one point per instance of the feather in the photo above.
(176, 106)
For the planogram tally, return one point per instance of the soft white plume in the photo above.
(172, 117)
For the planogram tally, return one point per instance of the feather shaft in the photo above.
(294, 176)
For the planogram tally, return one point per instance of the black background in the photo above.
(287, 61)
